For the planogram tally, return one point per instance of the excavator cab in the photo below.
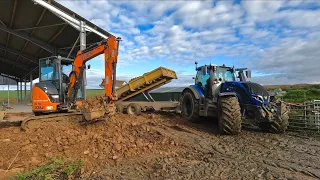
(49, 95)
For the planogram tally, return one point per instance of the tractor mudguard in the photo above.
(196, 91)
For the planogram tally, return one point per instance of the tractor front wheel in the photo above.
(189, 107)
(279, 123)
(229, 116)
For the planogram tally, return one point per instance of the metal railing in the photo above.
(305, 116)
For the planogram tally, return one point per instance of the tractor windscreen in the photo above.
(48, 70)
(225, 74)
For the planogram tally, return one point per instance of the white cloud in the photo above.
(272, 36)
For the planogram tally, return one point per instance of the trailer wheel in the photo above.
(134, 109)
(119, 109)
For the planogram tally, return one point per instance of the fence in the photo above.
(305, 116)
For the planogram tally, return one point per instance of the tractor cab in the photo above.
(210, 78)
(219, 74)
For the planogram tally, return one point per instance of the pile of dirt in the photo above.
(96, 108)
(160, 146)
(93, 103)
(95, 144)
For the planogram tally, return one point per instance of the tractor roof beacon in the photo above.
(224, 92)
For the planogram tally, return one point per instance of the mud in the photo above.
(155, 146)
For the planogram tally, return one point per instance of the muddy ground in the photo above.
(160, 146)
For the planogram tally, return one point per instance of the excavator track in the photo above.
(51, 117)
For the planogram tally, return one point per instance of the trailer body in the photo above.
(143, 85)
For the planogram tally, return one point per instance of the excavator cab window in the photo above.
(66, 68)
(48, 70)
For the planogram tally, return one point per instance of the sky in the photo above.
(278, 40)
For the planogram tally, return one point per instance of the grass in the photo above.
(13, 95)
(301, 95)
(56, 168)
(94, 92)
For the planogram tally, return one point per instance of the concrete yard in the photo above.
(17, 108)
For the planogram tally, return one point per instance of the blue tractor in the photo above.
(223, 92)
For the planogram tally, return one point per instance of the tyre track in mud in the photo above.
(262, 151)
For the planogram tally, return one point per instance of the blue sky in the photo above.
(278, 40)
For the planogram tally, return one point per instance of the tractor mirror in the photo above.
(89, 66)
(248, 73)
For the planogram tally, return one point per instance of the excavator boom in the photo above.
(109, 48)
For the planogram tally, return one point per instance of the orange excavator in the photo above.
(57, 92)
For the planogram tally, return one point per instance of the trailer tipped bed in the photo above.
(142, 85)
(146, 82)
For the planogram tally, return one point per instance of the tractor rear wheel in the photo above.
(279, 123)
(229, 116)
(189, 107)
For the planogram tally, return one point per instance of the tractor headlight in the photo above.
(258, 98)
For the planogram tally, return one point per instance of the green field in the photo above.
(13, 95)
(302, 95)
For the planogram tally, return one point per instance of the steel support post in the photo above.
(25, 91)
(18, 92)
(82, 47)
(21, 91)
(8, 94)
(31, 87)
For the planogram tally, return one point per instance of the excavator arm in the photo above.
(109, 48)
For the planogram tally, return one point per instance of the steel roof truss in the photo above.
(69, 19)
(14, 63)
(31, 59)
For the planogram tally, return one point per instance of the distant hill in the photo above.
(293, 87)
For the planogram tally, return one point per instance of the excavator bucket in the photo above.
(94, 109)
(3, 113)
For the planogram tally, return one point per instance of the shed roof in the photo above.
(29, 32)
